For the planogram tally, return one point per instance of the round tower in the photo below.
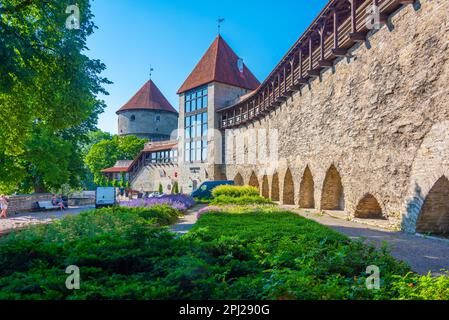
(148, 115)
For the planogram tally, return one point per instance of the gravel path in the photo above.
(422, 254)
(24, 220)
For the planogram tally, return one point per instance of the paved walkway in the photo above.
(422, 254)
(187, 221)
(23, 220)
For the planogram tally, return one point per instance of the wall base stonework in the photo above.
(150, 176)
(26, 202)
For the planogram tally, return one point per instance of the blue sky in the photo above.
(172, 35)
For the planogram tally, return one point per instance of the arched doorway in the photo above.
(265, 187)
(275, 187)
(307, 190)
(289, 189)
(238, 180)
(332, 195)
(434, 216)
(368, 208)
(253, 182)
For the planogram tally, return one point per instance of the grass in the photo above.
(242, 252)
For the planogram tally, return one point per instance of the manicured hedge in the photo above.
(239, 253)
(237, 195)
(243, 200)
(235, 191)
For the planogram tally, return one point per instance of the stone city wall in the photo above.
(371, 135)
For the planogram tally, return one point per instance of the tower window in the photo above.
(158, 118)
(196, 125)
(196, 128)
(196, 100)
(133, 118)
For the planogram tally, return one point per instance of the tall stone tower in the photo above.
(219, 78)
(148, 115)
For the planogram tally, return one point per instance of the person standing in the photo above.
(4, 206)
(1, 203)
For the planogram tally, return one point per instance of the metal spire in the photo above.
(151, 71)
(220, 21)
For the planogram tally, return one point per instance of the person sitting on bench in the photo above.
(58, 202)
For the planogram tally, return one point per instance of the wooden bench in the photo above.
(47, 205)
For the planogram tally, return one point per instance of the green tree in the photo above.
(161, 189)
(93, 137)
(175, 188)
(48, 94)
(106, 153)
(122, 180)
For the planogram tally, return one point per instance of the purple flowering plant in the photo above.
(179, 202)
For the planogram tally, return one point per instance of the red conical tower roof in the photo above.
(220, 64)
(149, 97)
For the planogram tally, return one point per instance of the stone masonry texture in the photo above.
(374, 127)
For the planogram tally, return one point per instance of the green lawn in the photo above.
(241, 253)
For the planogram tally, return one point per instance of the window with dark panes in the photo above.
(196, 124)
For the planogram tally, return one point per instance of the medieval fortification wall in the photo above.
(371, 135)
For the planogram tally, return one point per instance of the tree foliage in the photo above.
(161, 189)
(48, 94)
(106, 153)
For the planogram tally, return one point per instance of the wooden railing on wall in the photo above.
(339, 26)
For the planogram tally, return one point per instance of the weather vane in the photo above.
(220, 21)
(151, 71)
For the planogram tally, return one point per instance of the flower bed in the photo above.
(207, 210)
(178, 202)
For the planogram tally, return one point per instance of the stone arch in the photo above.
(275, 187)
(238, 180)
(289, 189)
(265, 187)
(307, 190)
(368, 208)
(429, 165)
(332, 197)
(253, 181)
(434, 216)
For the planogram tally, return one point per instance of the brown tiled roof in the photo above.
(115, 170)
(149, 97)
(123, 163)
(166, 146)
(220, 64)
(154, 147)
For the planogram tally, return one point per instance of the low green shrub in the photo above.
(235, 191)
(241, 200)
(241, 253)
(202, 200)
(163, 215)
